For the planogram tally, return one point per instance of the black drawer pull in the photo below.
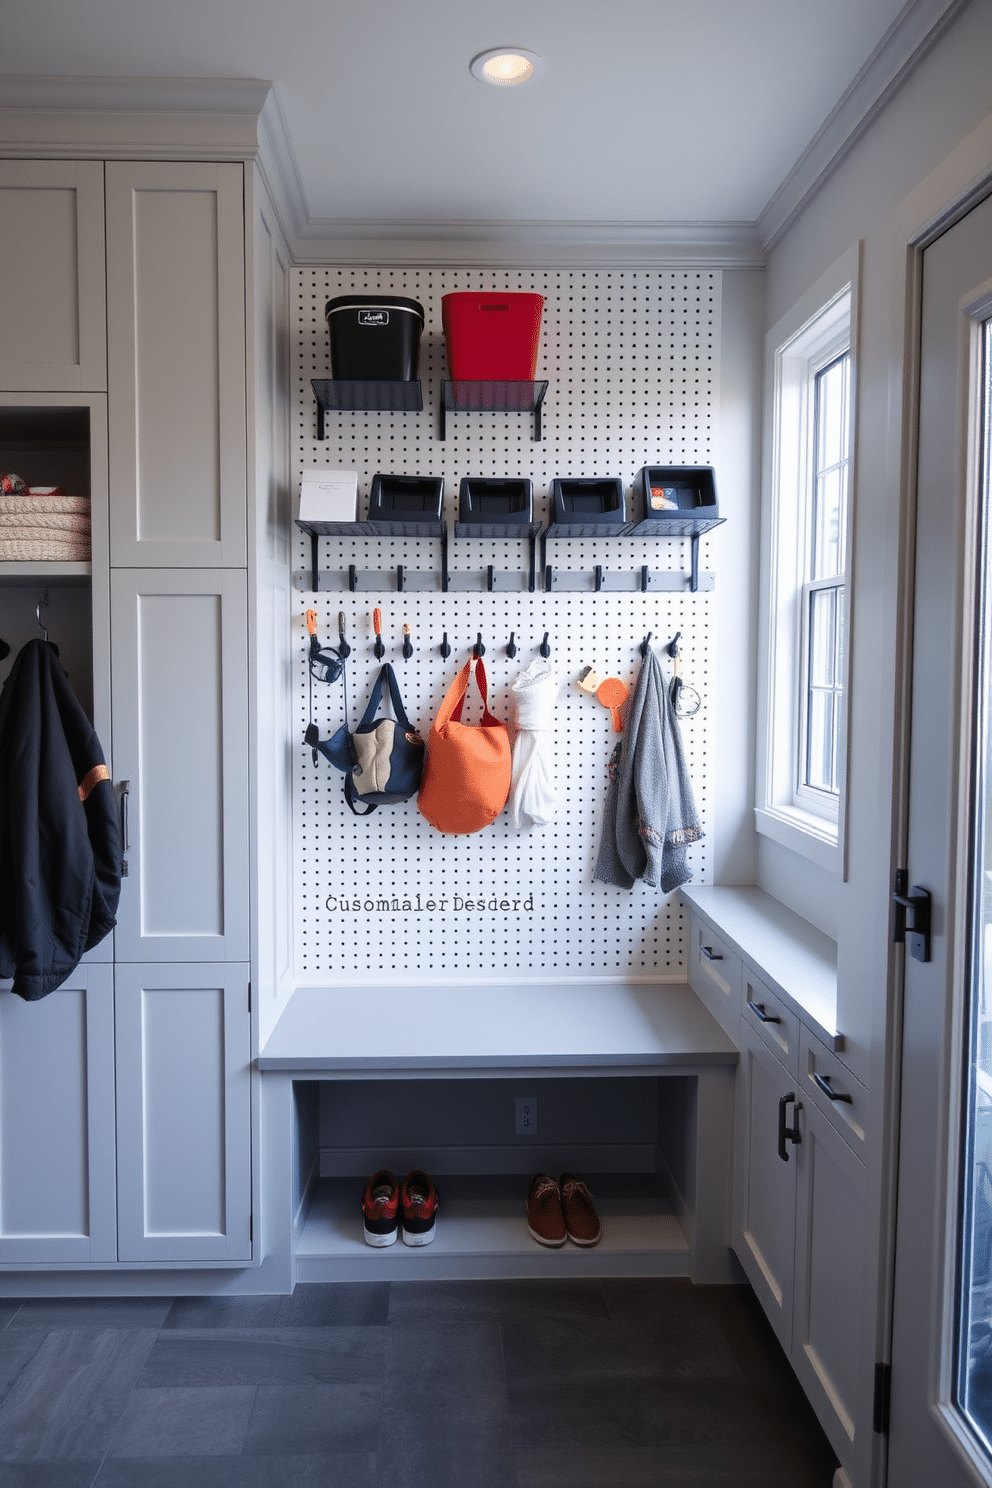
(758, 1009)
(787, 1133)
(829, 1091)
(710, 953)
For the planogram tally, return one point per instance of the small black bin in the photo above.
(589, 507)
(406, 501)
(489, 505)
(674, 498)
(374, 338)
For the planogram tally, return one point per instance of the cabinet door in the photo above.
(827, 1347)
(57, 1164)
(53, 330)
(177, 364)
(180, 737)
(765, 1185)
(183, 1113)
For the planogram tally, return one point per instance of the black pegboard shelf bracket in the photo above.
(677, 527)
(340, 394)
(497, 581)
(491, 397)
(317, 530)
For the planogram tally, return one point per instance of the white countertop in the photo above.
(789, 954)
(493, 1027)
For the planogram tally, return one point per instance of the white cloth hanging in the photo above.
(533, 792)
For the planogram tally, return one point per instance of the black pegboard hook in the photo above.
(544, 648)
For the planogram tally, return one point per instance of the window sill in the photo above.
(811, 836)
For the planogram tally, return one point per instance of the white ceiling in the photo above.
(651, 111)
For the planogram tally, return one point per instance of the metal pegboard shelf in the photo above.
(340, 394)
(491, 397)
(499, 581)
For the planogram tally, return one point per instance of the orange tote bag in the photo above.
(466, 780)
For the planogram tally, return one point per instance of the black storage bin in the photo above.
(411, 502)
(374, 338)
(674, 499)
(587, 506)
(495, 508)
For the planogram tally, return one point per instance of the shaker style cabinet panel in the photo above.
(177, 364)
(830, 1229)
(57, 1166)
(183, 1113)
(765, 1200)
(180, 740)
(53, 331)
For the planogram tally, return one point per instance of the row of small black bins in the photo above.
(665, 500)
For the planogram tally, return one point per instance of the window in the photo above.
(802, 743)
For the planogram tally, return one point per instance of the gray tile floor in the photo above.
(572, 1384)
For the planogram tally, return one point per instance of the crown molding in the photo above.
(908, 39)
(458, 243)
(89, 117)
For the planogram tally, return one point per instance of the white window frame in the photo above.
(818, 329)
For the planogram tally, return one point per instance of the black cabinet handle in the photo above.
(835, 1095)
(758, 1009)
(787, 1133)
(710, 953)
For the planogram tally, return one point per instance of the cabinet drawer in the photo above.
(830, 1086)
(715, 976)
(764, 1011)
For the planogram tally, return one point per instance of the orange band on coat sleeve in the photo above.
(98, 773)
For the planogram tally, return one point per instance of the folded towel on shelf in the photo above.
(61, 528)
(58, 548)
(37, 508)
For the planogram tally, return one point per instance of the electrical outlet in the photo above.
(526, 1115)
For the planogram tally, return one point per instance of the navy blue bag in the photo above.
(383, 760)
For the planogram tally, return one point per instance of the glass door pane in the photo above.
(974, 1384)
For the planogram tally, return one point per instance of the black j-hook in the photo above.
(646, 643)
(479, 649)
(544, 648)
(511, 646)
(444, 648)
(673, 646)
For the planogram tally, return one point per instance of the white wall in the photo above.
(948, 94)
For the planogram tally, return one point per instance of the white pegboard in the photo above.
(631, 359)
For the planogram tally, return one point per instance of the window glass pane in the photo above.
(830, 469)
(822, 734)
(824, 686)
(828, 509)
(832, 423)
(823, 637)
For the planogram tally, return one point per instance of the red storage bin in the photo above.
(491, 336)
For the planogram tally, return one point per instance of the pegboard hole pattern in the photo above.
(631, 358)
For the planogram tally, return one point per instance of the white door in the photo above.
(941, 1387)
(180, 738)
(183, 1113)
(57, 1167)
(176, 351)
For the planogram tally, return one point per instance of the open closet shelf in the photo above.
(482, 1230)
(28, 574)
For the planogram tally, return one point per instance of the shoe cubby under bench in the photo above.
(628, 1085)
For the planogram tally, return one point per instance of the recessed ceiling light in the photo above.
(507, 67)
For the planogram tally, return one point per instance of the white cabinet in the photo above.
(799, 1211)
(57, 1158)
(180, 738)
(177, 364)
(183, 1113)
(125, 1117)
(53, 330)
